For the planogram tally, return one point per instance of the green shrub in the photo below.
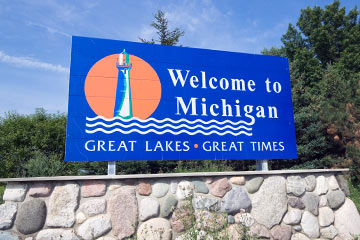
(353, 153)
(355, 193)
(41, 165)
(23, 136)
(203, 166)
(2, 190)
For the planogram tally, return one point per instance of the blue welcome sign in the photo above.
(135, 101)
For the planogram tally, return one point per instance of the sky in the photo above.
(35, 36)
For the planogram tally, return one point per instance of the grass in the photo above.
(2, 189)
(355, 194)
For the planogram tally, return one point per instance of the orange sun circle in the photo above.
(101, 81)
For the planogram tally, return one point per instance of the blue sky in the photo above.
(35, 36)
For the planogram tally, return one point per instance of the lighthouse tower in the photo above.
(123, 106)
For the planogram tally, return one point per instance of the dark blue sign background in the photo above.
(184, 137)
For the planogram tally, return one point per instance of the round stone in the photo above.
(93, 207)
(238, 180)
(7, 215)
(154, 229)
(326, 216)
(234, 200)
(148, 208)
(40, 189)
(311, 201)
(335, 199)
(160, 189)
(333, 184)
(93, 188)
(310, 225)
(62, 204)
(254, 184)
(94, 227)
(184, 190)
(200, 187)
(15, 192)
(206, 203)
(296, 202)
(281, 232)
(220, 187)
(328, 232)
(321, 185)
(144, 188)
(295, 185)
(292, 217)
(168, 206)
(31, 216)
(310, 183)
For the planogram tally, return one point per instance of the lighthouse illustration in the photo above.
(123, 108)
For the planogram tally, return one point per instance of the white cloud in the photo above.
(48, 28)
(31, 63)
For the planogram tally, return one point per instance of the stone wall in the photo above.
(273, 206)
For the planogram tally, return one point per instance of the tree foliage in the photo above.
(23, 138)
(165, 36)
(34, 145)
(324, 53)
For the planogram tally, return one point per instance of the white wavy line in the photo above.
(167, 131)
(166, 125)
(170, 120)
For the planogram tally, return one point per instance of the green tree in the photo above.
(36, 136)
(165, 36)
(324, 56)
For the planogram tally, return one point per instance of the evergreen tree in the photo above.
(165, 36)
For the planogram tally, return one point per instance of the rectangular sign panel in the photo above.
(135, 101)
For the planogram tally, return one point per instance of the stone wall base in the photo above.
(283, 206)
